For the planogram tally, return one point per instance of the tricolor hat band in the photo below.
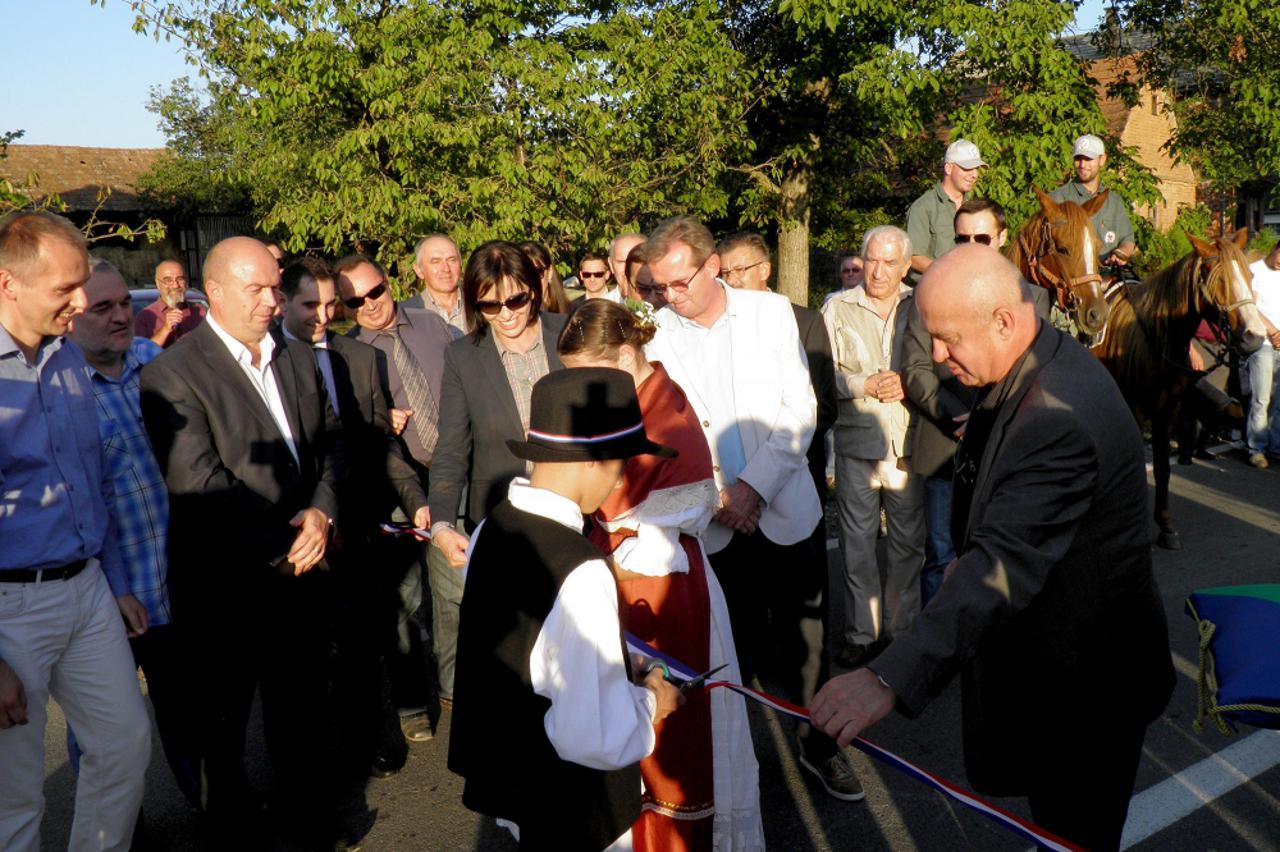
(585, 439)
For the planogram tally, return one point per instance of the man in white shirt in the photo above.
(1263, 425)
(593, 278)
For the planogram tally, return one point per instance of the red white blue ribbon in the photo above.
(1012, 822)
(406, 529)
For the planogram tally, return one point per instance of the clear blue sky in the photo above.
(77, 74)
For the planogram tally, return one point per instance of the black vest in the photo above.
(497, 742)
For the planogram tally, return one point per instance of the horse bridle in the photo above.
(1063, 288)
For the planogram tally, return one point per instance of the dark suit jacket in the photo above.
(822, 375)
(380, 474)
(936, 396)
(233, 484)
(477, 417)
(1052, 610)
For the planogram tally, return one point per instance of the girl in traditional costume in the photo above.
(701, 782)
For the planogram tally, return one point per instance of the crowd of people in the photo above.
(226, 498)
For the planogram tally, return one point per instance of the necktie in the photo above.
(426, 416)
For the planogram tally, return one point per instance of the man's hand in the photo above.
(422, 518)
(962, 423)
(399, 418)
(739, 508)
(669, 698)
(135, 615)
(453, 545)
(849, 704)
(13, 698)
(308, 546)
(885, 386)
(1194, 358)
(1274, 337)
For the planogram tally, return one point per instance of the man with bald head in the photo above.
(438, 265)
(247, 441)
(619, 250)
(171, 316)
(1050, 606)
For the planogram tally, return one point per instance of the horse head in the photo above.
(1224, 288)
(1058, 248)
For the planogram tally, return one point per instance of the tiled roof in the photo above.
(77, 174)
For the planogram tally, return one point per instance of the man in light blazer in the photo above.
(1051, 606)
(737, 355)
(251, 454)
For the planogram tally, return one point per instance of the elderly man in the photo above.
(1052, 602)
(1112, 222)
(115, 359)
(872, 448)
(63, 585)
(438, 265)
(412, 342)
(931, 217)
(737, 355)
(619, 250)
(168, 318)
(250, 449)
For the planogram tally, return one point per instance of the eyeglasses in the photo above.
(985, 239)
(681, 286)
(355, 303)
(851, 270)
(592, 274)
(739, 271)
(493, 307)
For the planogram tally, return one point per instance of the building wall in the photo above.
(1147, 128)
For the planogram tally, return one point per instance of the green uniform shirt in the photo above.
(931, 224)
(1112, 221)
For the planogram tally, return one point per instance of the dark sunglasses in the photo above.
(592, 274)
(357, 302)
(985, 239)
(492, 307)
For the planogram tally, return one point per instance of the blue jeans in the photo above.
(1263, 425)
(938, 550)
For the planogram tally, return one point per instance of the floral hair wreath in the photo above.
(643, 313)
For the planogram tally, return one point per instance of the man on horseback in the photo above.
(930, 219)
(1113, 221)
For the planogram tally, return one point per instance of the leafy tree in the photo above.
(1219, 58)
(370, 124)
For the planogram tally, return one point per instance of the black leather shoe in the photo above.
(385, 765)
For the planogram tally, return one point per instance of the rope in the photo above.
(1207, 684)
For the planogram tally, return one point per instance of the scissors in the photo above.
(683, 685)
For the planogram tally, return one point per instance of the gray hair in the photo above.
(417, 250)
(98, 264)
(892, 232)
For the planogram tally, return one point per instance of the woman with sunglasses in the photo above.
(488, 378)
(554, 299)
(701, 780)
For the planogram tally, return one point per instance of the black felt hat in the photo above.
(585, 414)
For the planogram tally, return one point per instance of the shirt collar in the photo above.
(9, 346)
(457, 304)
(240, 352)
(730, 309)
(503, 350)
(858, 295)
(544, 503)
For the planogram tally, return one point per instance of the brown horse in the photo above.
(1057, 249)
(1149, 332)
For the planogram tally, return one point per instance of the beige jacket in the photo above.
(862, 345)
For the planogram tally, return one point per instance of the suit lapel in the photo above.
(491, 366)
(224, 367)
(283, 368)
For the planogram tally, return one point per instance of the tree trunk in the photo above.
(793, 235)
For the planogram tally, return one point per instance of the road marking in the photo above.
(1197, 786)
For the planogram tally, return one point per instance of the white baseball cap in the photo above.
(964, 154)
(1089, 146)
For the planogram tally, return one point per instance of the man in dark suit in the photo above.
(251, 455)
(368, 564)
(1051, 607)
(410, 344)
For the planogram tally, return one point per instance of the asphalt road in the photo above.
(1228, 787)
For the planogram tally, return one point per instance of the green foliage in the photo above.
(369, 125)
(1163, 249)
(1219, 57)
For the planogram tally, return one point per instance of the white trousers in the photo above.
(862, 488)
(66, 639)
